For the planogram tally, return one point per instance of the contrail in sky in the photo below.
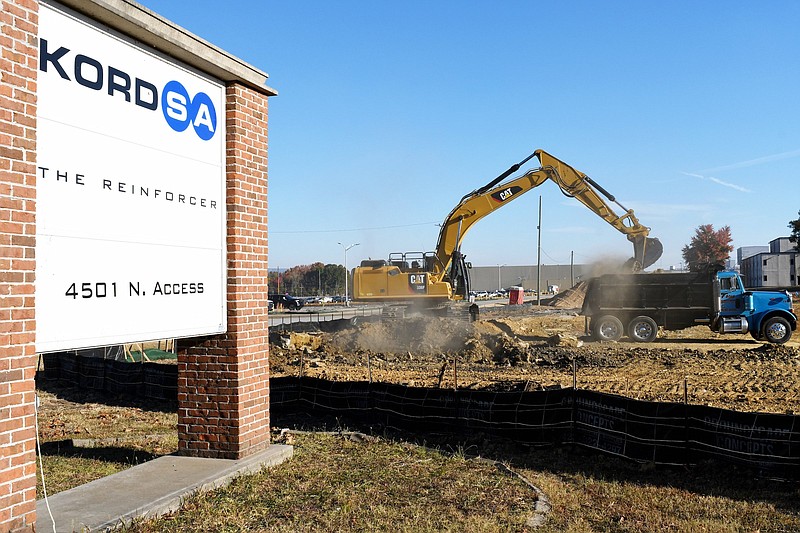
(752, 162)
(741, 164)
(717, 181)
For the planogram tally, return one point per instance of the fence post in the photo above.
(455, 374)
(574, 414)
(685, 390)
(441, 374)
(302, 362)
(574, 373)
(686, 449)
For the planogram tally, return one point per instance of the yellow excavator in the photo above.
(440, 280)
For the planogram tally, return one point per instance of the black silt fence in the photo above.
(645, 431)
(768, 443)
(150, 380)
(123, 378)
(657, 432)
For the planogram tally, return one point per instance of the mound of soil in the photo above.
(570, 298)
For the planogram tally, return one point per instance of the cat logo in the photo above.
(506, 194)
(418, 283)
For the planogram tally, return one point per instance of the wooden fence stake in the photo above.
(685, 390)
(574, 373)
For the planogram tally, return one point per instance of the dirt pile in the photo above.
(570, 298)
(416, 335)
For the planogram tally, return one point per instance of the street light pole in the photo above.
(346, 273)
(499, 283)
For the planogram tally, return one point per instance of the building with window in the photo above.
(776, 268)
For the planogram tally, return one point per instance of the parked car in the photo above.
(270, 305)
(284, 301)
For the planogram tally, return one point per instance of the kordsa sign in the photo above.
(130, 191)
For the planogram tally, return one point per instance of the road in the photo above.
(321, 314)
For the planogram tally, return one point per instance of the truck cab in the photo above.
(767, 315)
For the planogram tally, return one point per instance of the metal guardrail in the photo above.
(321, 315)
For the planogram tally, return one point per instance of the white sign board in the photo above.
(130, 185)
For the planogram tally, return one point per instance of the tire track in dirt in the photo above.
(526, 352)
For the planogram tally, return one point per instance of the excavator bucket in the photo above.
(646, 251)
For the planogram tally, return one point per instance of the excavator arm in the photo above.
(494, 195)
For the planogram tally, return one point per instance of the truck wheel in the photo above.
(643, 329)
(607, 328)
(777, 330)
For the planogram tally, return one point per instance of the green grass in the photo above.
(594, 493)
(335, 484)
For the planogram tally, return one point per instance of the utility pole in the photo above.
(572, 269)
(539, 258)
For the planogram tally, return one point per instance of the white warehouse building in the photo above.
(776, 268)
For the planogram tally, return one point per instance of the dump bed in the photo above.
(679, 298)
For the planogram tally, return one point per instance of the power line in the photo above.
(354, 229)
(554, 260)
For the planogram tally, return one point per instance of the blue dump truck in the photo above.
(638, 304)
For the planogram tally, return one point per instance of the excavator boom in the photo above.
(480, 202)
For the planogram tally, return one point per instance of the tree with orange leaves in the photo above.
(708, 247)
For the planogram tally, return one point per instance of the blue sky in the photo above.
(389, 112)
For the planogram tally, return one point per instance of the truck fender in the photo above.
(790, 318)
(776, 321)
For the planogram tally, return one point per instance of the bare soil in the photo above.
(529, 347)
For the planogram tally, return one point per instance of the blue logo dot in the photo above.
(204, 116)
(175, 103)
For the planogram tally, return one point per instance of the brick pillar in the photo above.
(18, 64)
(223, 383)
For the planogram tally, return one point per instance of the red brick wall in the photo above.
(223, 384)
(18, 63)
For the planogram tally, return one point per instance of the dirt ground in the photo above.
(516, 347)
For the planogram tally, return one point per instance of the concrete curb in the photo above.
(151, 489)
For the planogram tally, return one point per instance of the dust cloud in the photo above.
(417, 335)
(607, 265)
